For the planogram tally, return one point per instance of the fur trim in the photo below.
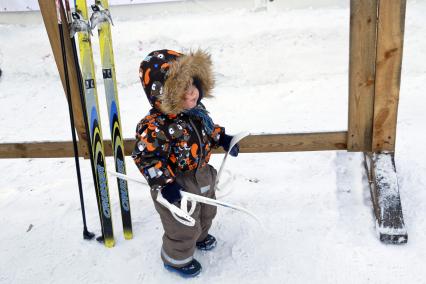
(196, 64)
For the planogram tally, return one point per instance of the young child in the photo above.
(173, 148)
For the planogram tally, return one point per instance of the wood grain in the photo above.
(362, 60)
(390, 39)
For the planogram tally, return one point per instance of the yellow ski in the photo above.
(101, 18)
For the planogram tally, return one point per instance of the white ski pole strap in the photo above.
(184, 202)
(178, 213)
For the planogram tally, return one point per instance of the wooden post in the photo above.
(48, 11)
(390, 39)
(381, 164)
(362, 60)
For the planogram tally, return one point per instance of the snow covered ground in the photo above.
(284, 70)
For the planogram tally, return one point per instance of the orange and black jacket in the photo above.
(169, 144)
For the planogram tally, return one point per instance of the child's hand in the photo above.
(235, 150)
(171, 192)
(225, 142)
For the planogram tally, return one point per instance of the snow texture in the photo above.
(388, 197)
(386, 178)
(280, 70)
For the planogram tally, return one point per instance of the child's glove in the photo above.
(225, 142)
(171, 192)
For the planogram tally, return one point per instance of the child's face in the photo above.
(191, 97)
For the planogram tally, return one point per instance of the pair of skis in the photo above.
(79, 24)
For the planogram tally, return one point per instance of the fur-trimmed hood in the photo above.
(166, 75)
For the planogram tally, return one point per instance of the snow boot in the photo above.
(208, 243)
(192, 269)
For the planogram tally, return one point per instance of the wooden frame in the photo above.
(376, 45)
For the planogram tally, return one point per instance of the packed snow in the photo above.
(283, 70)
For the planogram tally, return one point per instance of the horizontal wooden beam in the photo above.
(252, 144)
(322, 141)
(44, 149)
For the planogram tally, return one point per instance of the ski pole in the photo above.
(86, 234)
(82, 101)
(182, 214)
(237, 138)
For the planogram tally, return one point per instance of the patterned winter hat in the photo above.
(166, 75)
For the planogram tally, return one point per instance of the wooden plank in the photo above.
(390, 40)
(322, 141)
(48, 149)
(385, 197)
(48, 11)
(251, 144)
(362, 61)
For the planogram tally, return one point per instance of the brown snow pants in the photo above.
(178, 239)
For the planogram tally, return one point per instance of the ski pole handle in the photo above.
(237, 138)
(184, 204)
(180, 215)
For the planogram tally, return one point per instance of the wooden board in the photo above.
(385, 197)
(362, 60)
(390, 38)
(251, 144)
(48, 149)
(48, 11)
(322, 141)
